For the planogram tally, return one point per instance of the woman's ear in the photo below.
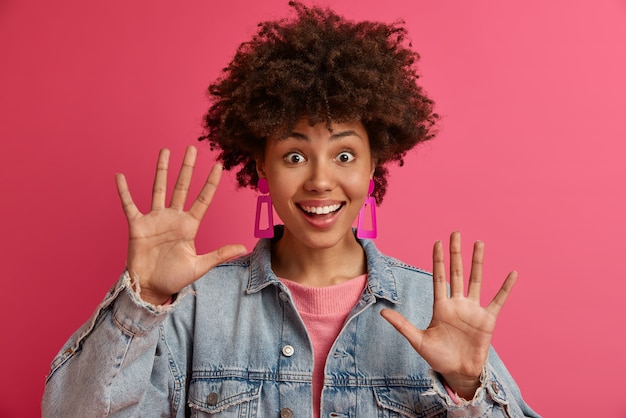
(374, 165)
(260, 168)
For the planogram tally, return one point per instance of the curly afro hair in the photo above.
(325, 68)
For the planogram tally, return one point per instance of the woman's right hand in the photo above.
(162, 257)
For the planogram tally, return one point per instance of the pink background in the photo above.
(529, 159)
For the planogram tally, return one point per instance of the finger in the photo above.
(404, 327)
(456, 266)
(476, 274)
(222, 254)
(159, 188)
(202, 203)
(505, 290)
(129, 207)
(184, 179)
(439, 272)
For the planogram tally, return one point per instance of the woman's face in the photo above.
(318, 180)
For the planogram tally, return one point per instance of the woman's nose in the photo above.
(321, 177)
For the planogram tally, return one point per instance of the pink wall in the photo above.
(529, 159)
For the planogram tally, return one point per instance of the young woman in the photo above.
(315, 321)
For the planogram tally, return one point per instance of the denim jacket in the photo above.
(233, 345)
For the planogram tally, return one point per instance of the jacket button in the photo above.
(286, 413)
(417, 407)
(288, 351)
(283, 296)
(212, 398)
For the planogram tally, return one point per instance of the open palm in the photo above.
(162, 257)
(457, 341)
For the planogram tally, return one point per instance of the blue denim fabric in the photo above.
(233, 345)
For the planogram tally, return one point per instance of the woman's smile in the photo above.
(321, 214)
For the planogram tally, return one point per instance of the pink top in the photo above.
(324, 311)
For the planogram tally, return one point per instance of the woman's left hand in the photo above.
(457, 341)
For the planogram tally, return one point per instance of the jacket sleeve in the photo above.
(497, 396)
(116, 364)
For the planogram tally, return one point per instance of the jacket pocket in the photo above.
(402, 402)
(225, 397)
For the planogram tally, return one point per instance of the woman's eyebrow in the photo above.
(335, 135)
(296, 135)
(344, 134)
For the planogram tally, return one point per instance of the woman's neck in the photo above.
(318, 267)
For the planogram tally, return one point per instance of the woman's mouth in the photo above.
(321, 215)
(320, 210)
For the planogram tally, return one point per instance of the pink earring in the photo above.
(267, 200)
(370, 202)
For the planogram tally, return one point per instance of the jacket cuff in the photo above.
(490, 394)
(133, 315)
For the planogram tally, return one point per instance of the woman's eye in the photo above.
(345, 157)
(294, 158)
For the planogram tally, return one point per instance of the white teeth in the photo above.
(321, 210)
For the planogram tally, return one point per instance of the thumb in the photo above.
(404, 327)
(222, 254)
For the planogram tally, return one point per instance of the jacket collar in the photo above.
(381, 282)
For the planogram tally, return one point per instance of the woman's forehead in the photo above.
(303, 128)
